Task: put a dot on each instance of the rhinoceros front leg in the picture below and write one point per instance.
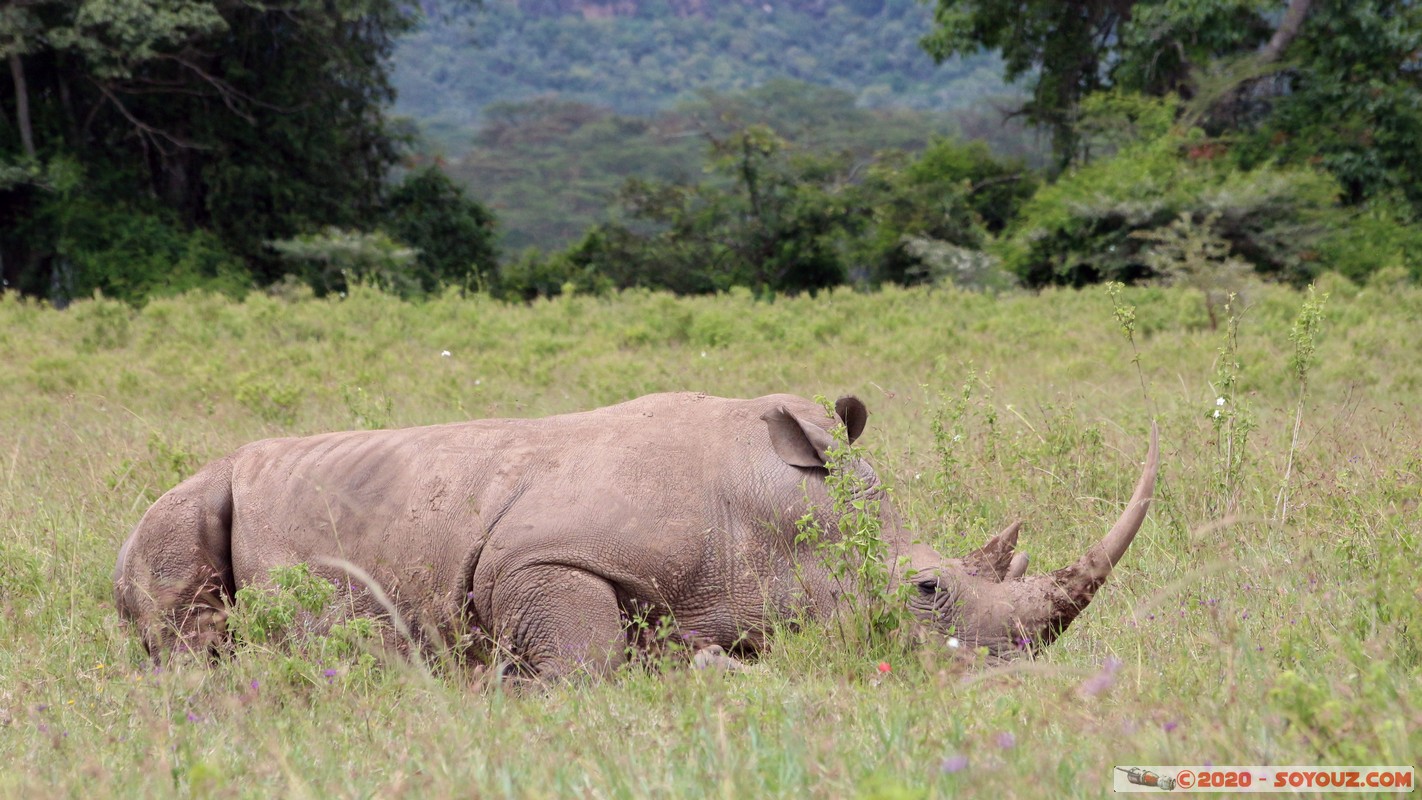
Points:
(560, 621)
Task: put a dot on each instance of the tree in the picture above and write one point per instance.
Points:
(770, 217)
(1330, 85)
(1068, 50)
(1349, 100)
(252, 121)
(454, 235)
(775, 217)
(952, 194)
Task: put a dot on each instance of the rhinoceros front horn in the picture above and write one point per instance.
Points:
(1046, 604)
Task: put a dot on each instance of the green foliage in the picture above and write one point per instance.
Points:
(1303, 335)
(1378, 235)
(1095, 221)
(553, 166)
(1353, 101)
(776, 217)
(1061, 54)
(335, 260)
(641, 57)
(198, 130)
(270, 612)
(932, 213)
(876, 600)
(119, 37)
(454, 235)
(136, 253)
(1195, 255)
(773, 220)
(1328, 85)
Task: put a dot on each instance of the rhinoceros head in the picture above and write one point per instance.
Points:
(984, 600)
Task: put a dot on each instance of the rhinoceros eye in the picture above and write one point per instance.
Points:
(928, 587)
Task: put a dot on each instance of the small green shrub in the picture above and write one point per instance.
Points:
(335, 260)
(367, 410)
(876, 612)
(270, 612)
(105, 323)
(132, 253)
(268, 398)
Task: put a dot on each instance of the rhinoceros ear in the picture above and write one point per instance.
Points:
(854, 414)
(797, 442)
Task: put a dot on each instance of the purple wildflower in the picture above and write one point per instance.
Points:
(1102, 680)
(193, 717)
(1006, 740)
(1170, 726)
(953, 764)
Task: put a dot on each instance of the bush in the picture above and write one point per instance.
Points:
(1382, 234)
(931, 215)
(453, 234)
(336, 259)
(1089, 225)
(131, 253)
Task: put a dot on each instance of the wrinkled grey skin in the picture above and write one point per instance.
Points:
(546, 533)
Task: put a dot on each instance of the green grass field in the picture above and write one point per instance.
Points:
(1249, 627)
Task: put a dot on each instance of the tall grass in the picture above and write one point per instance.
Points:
(1243, 637)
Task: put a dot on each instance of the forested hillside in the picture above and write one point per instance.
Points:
(551, 168)
(543, 109)
(148, 148)
(640, 56)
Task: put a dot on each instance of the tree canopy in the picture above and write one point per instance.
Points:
(1299, 80)
(201, 127)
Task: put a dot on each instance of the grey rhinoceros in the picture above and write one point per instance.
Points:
(546, 533)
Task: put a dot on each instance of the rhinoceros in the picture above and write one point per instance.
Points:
(546, 533)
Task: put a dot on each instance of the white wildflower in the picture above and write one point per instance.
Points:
(1217, 413)
(1219, 401)
(953, 642)
(444, 354)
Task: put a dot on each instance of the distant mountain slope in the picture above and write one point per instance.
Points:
(551, 168)
(640, 56)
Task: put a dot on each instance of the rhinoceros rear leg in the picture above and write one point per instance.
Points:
(560, 621)
(173, 580)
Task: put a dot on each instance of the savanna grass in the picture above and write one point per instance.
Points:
(1229, 633)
